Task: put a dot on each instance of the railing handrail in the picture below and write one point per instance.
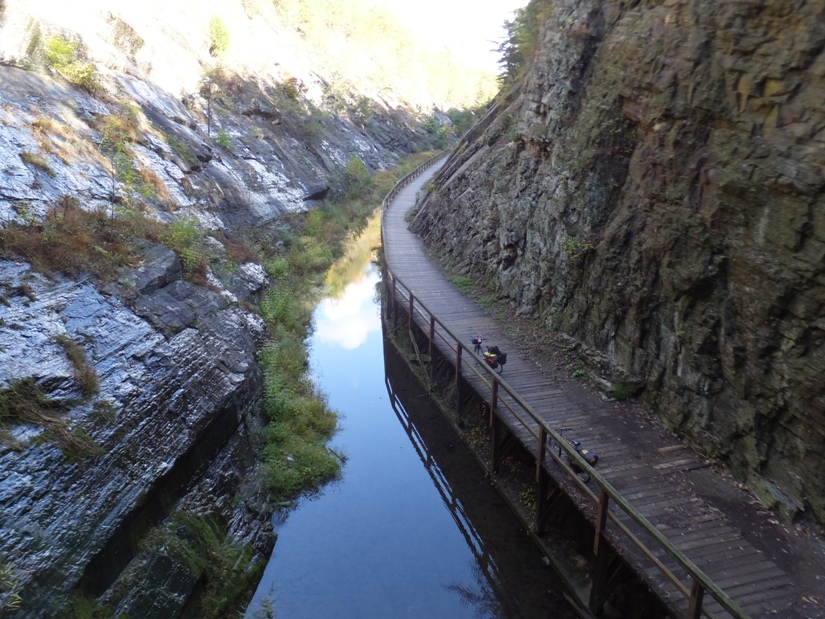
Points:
(684, 562)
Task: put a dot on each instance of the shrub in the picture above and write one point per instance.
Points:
(223, 140)
(61, 55)
(85, 373)
(69, 241)
(218, 37)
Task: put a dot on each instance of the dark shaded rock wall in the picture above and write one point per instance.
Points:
(654, 191)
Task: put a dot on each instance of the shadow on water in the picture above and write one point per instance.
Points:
(511, 580)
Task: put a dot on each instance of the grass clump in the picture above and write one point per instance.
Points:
(185, 238)
(10, 598)
(24, 403)
(85, 607)
(84, 373)
(38, 161)
(621, 392)
(71, 241)
(464, 284)
(224, 140)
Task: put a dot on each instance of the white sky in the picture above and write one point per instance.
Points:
(471, 27)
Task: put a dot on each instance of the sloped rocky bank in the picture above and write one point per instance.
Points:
(653, 193)
(172, 425)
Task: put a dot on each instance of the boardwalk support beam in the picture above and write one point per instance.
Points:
(542, 483)
(598, 592)
(697, 594)
(431, 350)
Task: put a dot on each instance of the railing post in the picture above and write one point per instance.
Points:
(495, 427)
(697, 595)
(431, 349)
(496, 438)
(493, 400)
(458, 381)
(412, 306)
(394, 304)
(597, 593)
(542, 482)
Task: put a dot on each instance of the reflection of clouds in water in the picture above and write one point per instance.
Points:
(347, 320)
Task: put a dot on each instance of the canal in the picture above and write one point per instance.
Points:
(412, 528)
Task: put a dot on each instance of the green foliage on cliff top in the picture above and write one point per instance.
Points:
(520, 42)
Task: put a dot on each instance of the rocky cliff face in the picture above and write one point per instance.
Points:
(654, 191)
(174, 423)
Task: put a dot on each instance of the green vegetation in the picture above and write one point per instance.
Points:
(85, 373)
(218, 37)
(62, 56)
(576, 248)
(520, 42)
(84, 607)
(300, 422)
(10, 599)
(225, 570)
(621, 392)
(119, 131)
(464, 284)
(223, 140)
(72, 241)
(181, 150)
(185, 238)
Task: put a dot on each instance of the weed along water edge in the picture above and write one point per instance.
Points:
(411, 528)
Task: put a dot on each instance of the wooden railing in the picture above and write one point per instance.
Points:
(609, 503)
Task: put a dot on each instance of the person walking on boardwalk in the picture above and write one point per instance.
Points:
(477, 343)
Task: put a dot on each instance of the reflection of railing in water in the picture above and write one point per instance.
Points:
(486, 563)
(511, 416)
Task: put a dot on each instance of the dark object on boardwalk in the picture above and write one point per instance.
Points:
(495, 358)
(477, 343)
(591, 457)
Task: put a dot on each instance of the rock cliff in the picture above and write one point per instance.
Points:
(653, 191)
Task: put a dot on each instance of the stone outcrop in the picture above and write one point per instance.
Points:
(171, 397)
(654, 191)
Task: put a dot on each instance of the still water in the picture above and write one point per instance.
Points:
(412, 528)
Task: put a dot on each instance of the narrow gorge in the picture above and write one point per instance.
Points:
(144, 151)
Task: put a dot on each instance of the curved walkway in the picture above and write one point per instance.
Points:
(768, 568)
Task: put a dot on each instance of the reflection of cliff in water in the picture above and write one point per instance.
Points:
(511, 581)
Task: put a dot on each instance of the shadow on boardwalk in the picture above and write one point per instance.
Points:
(768, 567)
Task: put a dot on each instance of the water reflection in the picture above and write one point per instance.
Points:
(346, 320)
(393, 538)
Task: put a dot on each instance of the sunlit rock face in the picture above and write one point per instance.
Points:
(654, 191)
(175, 423)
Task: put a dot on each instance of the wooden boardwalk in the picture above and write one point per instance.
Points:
(753, 560)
